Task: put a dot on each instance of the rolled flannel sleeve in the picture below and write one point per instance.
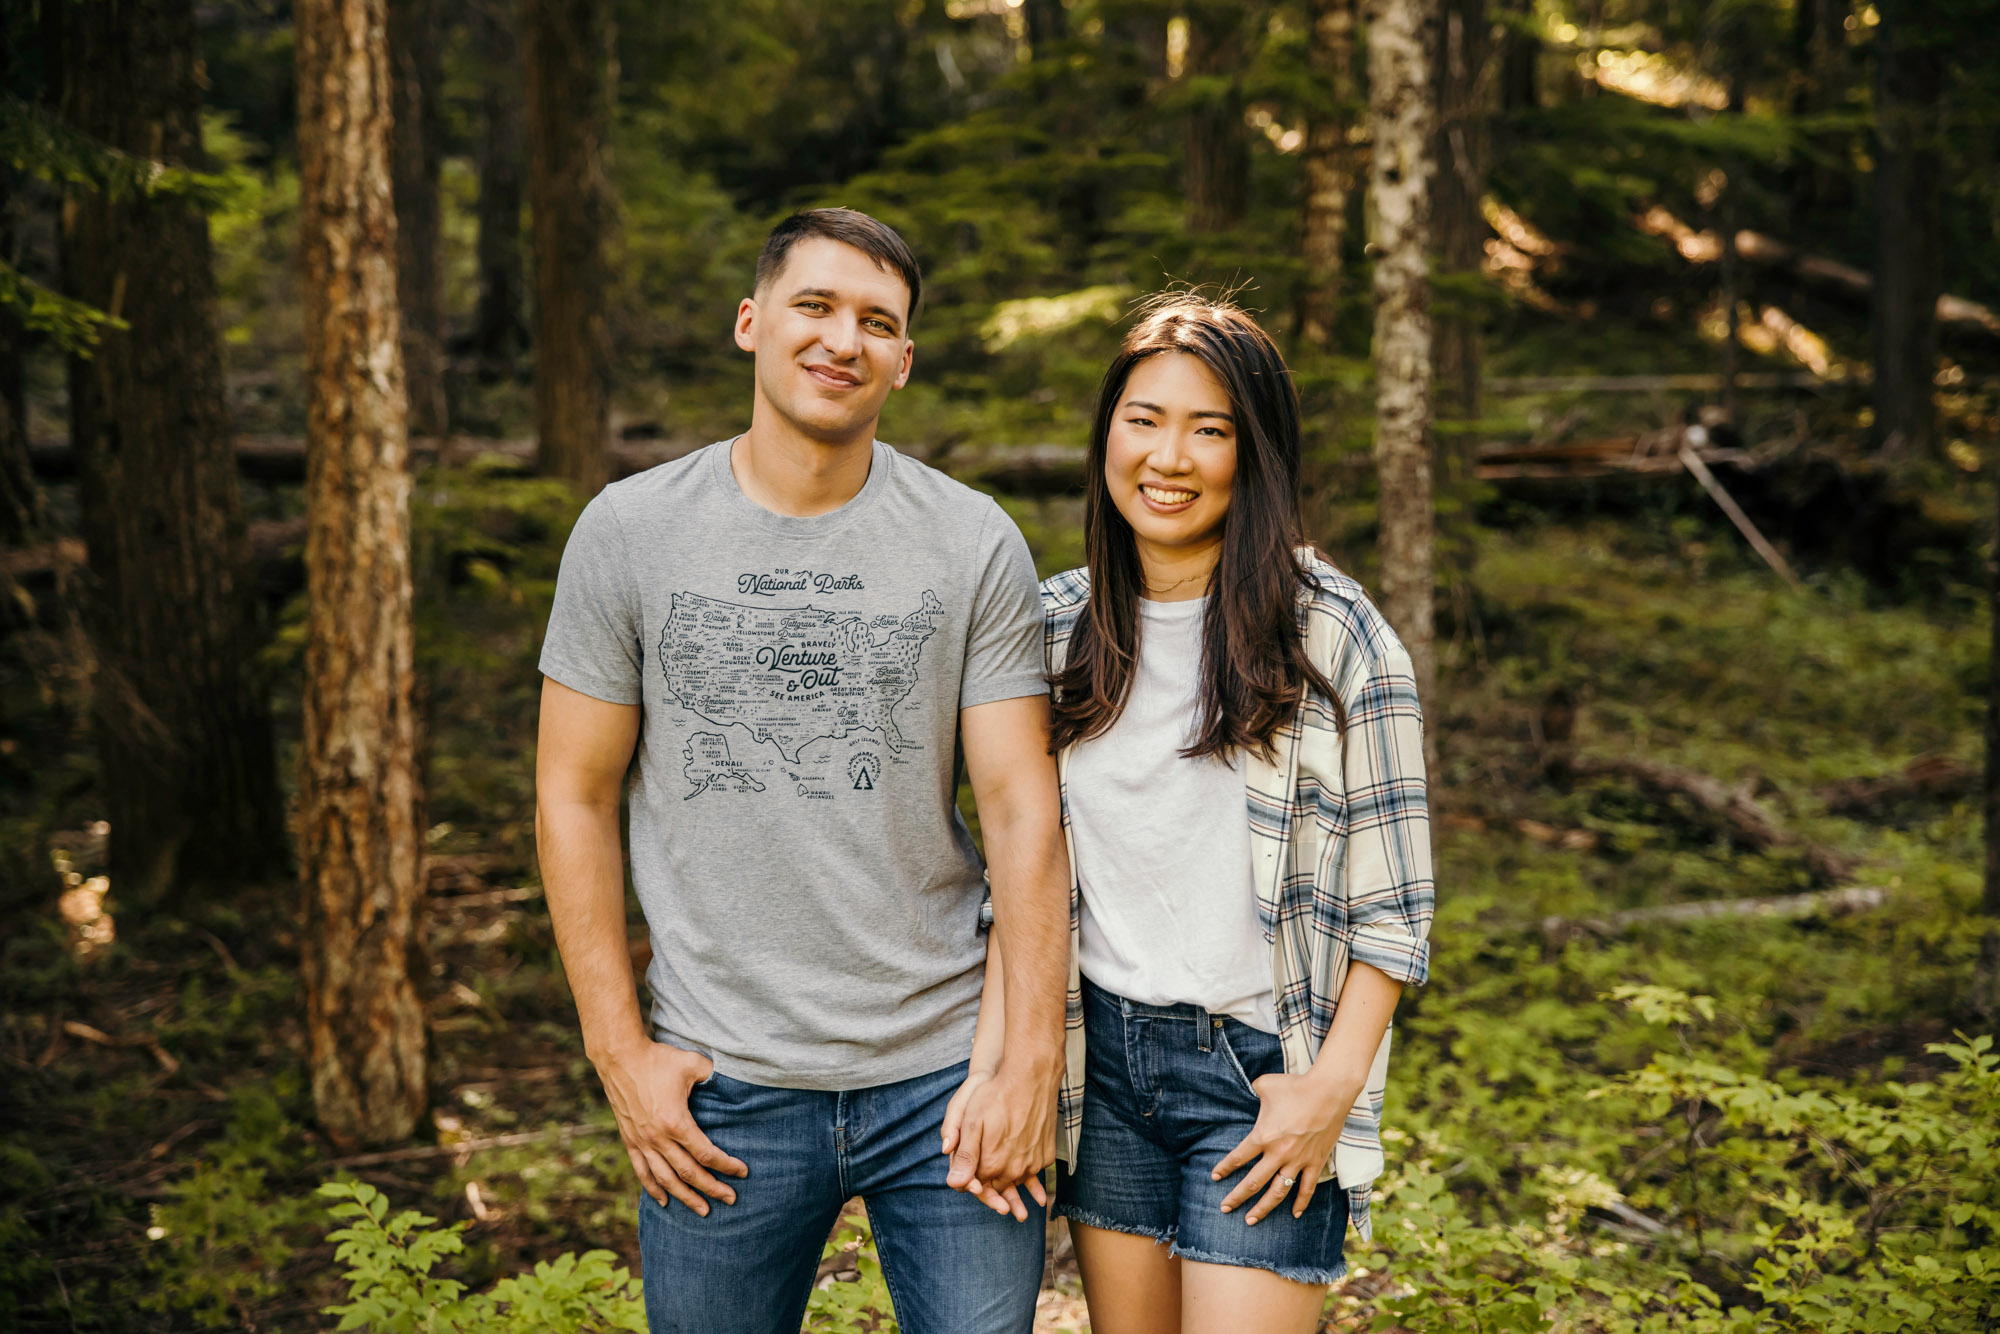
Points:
(1390, 891)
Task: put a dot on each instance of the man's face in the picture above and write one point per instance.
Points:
(830, 334)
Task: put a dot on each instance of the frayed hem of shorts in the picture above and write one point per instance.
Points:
(1109, 1225)
(1297, 1274)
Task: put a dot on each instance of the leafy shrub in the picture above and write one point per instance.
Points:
(394, 1286)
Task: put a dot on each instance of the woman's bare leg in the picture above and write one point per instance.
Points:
(1132, 1283)
(1228, 1299)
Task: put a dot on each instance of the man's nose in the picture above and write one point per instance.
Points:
(841, 336)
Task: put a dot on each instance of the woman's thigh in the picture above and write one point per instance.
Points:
(1227, 1299)
(1132, 1283)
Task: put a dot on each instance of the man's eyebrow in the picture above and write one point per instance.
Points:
(826, 295)
(1198, 413)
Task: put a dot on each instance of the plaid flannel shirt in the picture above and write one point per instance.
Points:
(1340, 850)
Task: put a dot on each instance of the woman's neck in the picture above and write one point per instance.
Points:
(1177, 574)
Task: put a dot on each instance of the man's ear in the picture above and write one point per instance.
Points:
(909, 355)
(746, 328)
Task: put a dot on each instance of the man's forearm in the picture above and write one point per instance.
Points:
(1030, 873)
(583, 877)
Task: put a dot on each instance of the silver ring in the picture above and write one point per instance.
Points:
(1288, 1182)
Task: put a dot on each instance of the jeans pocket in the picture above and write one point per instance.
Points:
(1253, 1061)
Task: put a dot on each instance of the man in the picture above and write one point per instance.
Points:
(799, 631)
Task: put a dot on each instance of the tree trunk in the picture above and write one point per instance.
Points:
(1218, 150)
(20, 498)
(1992, 897)
(1401, 128)
(1138, 30)
(1329, 168)
(1458, 226)
(500, 330)
(569, 124)
(1909, 224)
(187, 770)
(1047, 22)
(1520, 57)
(359, 816)
(416, 141)
(1819, 42)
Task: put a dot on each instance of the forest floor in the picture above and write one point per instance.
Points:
(159, 1161)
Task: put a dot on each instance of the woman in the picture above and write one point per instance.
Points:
(1241, 748)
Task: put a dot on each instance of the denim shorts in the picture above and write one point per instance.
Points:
(1166, 1096)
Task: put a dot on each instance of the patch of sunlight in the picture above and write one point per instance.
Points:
(1264, 118)
(1514, 229)
(1695, 247)
(1806, 347)
(1177, 46)
(1653, 78)
(82, 909)
(1037, 316)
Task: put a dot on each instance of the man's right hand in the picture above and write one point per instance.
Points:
(647, 1084)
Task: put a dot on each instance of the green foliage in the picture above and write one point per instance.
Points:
(392, 1287)
(396, 1284)
(1849, 1214)
(860, 1305)
(71, 325)
(224, 1234)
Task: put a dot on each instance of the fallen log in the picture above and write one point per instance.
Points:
(1734, 808)
(1820, 903)
(274, 543)
(282, 458)
(469, 1146)
(1926, 778)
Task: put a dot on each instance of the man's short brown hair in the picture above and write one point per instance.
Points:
(871, 237)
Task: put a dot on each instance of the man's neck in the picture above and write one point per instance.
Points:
(790, 473)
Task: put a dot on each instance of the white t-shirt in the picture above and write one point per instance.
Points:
(1163, 844)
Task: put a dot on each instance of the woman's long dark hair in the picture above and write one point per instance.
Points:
(1254, 667)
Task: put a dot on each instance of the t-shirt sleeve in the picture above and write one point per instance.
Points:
(592, 643)
(1003, 648)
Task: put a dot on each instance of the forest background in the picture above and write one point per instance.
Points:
(1695, 355)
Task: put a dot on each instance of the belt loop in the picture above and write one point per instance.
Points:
(1204, 1029)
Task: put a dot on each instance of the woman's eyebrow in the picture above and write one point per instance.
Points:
(1197, 414)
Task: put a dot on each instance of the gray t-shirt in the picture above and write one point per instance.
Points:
(812, 893)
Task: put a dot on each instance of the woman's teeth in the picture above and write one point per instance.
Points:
(1162, 496)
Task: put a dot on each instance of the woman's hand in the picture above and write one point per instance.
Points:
(1007, 1201)
(1298, 1124)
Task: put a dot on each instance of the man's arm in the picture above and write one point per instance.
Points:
(584, 748)
(1007, 1130)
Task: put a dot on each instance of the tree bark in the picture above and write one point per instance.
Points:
(1329, 168)
(1909, 226)
(1992, 896)
(500, 330)
(569, 124)
(416, 140)
(1458, 227)
(1401, 129)
(360, 816)
(1218, 149)
(1819, 41)
(187, 770)
(1047, 22)
(21, 516)
(1138, 30)
(1520, 57)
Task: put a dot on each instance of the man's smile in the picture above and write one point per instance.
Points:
(833, 377)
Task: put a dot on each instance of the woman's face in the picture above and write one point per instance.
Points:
(1170, 456)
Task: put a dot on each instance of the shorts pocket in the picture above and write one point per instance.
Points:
(1251, 1053)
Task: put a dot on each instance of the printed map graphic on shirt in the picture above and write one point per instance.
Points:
(789, 676)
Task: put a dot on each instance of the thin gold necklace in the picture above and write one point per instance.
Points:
(1175, 584)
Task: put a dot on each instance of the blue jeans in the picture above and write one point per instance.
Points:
(953, 1266)
(1167, 1094)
